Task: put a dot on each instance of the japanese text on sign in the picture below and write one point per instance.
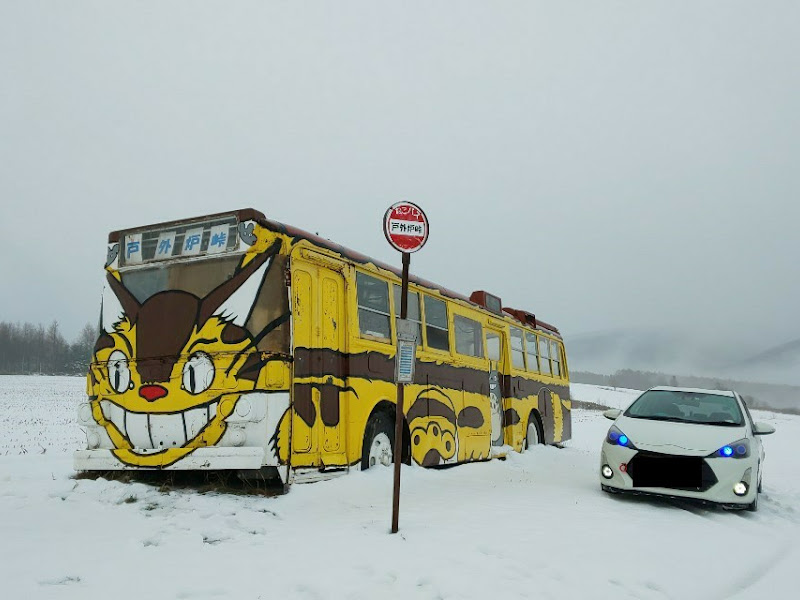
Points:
(398, 227)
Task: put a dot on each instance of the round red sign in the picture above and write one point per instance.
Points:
(405, 226)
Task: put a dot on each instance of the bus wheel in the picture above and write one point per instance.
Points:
(532, 437)
(378, 443)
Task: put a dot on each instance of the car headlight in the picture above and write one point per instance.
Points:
(737, 449)
(616, 437)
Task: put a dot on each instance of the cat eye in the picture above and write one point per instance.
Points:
(198, 373)
(119, 374)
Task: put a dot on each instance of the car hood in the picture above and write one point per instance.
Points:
(678, 438)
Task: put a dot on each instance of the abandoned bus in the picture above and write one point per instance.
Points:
(234, 342)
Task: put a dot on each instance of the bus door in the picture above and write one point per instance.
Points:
(319, 339)
(495, 342)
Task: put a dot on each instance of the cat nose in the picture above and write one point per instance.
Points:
(152, 392)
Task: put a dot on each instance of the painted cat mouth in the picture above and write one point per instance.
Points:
(158, 431)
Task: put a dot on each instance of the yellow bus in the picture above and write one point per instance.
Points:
(231, 341)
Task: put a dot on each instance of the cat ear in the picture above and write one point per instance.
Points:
(233, 301)
(117, 304)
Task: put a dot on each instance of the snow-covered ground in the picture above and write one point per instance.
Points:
(603, 395)
(533, 526)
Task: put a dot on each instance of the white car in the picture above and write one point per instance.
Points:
(686, 443)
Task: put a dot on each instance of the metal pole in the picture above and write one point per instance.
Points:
(398, 419)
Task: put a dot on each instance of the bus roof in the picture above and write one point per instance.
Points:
(251, 214)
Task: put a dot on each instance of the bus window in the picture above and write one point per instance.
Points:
(436, 329)
(533, 357)
(544, 355)
(493, 346)
(373, 307)
(413, 308)
(556, 358)
(469, 336)
(517, 348)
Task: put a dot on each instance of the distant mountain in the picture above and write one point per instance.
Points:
(608, 351)
(780, 364)
(784, 355)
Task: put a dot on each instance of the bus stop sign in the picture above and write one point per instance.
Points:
(405, 227)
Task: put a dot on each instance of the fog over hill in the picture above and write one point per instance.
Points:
(674, 352)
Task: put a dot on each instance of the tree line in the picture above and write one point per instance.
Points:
(36, 349)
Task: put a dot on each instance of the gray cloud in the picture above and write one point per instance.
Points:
(603, 164)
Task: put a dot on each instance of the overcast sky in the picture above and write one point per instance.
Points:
(602, 164)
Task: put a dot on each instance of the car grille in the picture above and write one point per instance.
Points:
(689, 473)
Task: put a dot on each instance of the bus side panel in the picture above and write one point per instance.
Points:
(302, 400)
(475, 427)
(321, 395)
(333, 401)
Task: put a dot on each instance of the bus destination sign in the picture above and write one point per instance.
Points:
(405, 227)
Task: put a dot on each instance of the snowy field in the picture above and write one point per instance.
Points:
(533, 526)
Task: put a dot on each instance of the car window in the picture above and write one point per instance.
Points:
(747, 412)
(688, 407)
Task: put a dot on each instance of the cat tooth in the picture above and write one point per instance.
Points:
(137, 427)
(194, 420)
(166, 431)
(115, 414)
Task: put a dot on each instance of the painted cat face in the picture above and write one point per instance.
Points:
(169, 371)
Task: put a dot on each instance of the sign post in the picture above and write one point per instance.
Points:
(406, 229)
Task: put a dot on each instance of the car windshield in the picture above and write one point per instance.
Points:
(687, 407)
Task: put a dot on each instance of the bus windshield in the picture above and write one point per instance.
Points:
(152, 284)
(198, 277)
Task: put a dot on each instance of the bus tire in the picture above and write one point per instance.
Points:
(378, 442)
(533, 436)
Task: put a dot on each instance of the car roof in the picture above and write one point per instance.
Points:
(666, 388)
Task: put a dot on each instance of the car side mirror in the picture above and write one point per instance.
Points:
(613, 413)
(762, 429)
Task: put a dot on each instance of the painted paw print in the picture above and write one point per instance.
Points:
(433, 444)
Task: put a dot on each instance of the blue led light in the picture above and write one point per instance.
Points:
(623, 440)
(727, 451)
(613, 436)
(741, 449)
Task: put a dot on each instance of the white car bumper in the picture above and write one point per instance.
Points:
(727, 472)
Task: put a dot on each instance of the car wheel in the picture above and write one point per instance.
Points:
(378, 443)
(532, 436)
(753, 506)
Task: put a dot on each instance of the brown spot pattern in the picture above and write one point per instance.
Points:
(304, 405)
(251, 368)
(103, 342)
(233, 334)
(511, 416)
(329, 405)
(163, 327)
(322, 362)
(432, 458)
(471, 416)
